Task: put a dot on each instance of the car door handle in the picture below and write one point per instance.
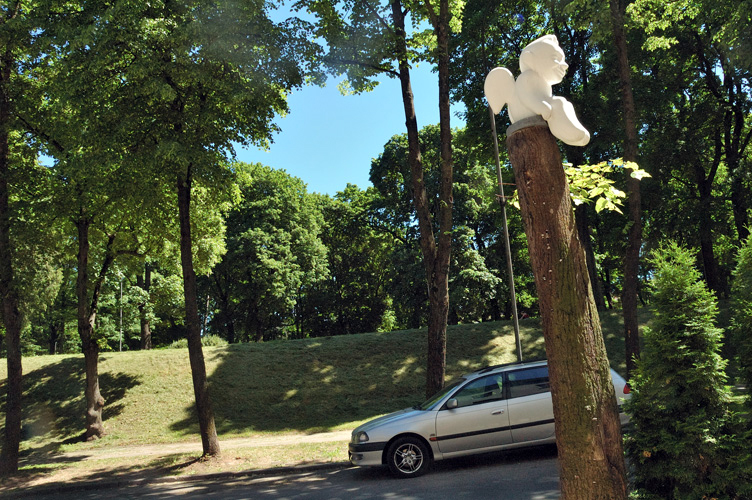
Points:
(497, 412)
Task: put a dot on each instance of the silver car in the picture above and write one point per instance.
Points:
(499, 407)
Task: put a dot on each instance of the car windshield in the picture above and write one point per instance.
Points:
(431, 402)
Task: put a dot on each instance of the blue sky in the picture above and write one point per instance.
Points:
(328, 140)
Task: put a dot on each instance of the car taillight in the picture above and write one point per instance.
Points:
(627, 389)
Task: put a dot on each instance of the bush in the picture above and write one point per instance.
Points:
(206, 341)
(680, 400)
(741, 334)
(741, 312)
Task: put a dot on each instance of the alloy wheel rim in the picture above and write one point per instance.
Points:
(408, 458)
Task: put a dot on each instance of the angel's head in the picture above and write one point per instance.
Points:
(545, 57)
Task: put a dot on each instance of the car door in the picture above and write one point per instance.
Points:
(531, 412)
(480, 419)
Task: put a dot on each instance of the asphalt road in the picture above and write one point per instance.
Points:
(517, 475)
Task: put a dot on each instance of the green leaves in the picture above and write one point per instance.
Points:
(588, 183)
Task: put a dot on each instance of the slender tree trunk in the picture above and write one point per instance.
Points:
(207, 427)
(435, 257)
(440, 310)
(632, 256)
(576, 156)
(583, 231)
(57, 322)
(740, 205)
(588, 431)
(705, 222)
(144, 282)
(86, 321)
(11, 313)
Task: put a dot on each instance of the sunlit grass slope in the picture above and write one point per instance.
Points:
(304, 386)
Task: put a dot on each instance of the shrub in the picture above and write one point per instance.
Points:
(741, 334)
(206, 341)
(680, 402)
(741, 312)
(213, 341)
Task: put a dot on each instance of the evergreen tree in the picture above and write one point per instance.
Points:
(741, 321)
(680, 401)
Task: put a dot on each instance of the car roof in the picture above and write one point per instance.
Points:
(506, 367)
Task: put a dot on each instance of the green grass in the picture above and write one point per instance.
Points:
(299, 386)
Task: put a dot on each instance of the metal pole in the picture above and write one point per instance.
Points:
(503, 203)
(121, 315)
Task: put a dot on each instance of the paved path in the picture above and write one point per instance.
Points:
(193, 447)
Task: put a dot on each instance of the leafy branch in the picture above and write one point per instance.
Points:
(591, 183)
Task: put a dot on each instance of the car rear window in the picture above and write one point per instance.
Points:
(528, 382)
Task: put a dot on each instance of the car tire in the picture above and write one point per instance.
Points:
(408, 457)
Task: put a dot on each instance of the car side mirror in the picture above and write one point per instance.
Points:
(452, 404)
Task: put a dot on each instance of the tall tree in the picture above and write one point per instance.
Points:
(14, 37)
(634, 239)
(355, 298)
(274, 256)
(11, 314)
(588, 432)
(347, 26)
(192, 80)
(680, 405)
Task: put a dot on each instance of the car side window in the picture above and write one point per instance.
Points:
(528, 382)
(480, 391)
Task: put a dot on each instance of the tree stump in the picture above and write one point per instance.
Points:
(588, 431)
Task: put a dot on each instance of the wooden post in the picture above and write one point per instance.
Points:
(588, 431)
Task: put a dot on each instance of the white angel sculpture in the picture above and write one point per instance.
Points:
(542, 65)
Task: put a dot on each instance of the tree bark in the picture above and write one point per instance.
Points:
(705, 227)
(11, 313)
(144, 282)
(632, 256)
(86, 319)
(588, 431)
(435, 256)
(8, 291)
(207, 427)
(583, 231)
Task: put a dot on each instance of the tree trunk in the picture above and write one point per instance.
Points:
(144, 282)
(704, 183)
(437, 322)
(86, 319)
(11, 313)
(436, 259)
(583, 231)
(740, 204)
(632, 256)
(588, 431)
(207, 427)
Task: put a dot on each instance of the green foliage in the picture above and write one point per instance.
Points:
(741, 312)
(680, 446)
(478, 278)
(590, 183)
(354, 297)
(274, 257)
(206, 341)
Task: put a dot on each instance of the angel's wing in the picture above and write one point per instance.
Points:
(499, 88)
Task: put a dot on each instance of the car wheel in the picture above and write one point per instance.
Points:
(408, 457)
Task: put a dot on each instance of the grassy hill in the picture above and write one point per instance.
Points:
(281, 387)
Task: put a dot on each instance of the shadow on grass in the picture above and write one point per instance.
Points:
(54, 405)
(316, 385)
